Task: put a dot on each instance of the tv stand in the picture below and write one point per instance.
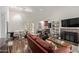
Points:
(71, 35)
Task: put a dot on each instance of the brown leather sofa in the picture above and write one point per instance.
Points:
(38, 45)
(35, 47)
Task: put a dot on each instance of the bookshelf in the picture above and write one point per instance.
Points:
(55, 29)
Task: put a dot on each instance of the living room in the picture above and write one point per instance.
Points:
(30, 24)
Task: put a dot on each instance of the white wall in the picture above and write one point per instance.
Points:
(15, 24)
(3, 15)
(0, 22)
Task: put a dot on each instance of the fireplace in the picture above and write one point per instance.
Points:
(70, 36)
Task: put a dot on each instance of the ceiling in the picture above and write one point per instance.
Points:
(51, 12)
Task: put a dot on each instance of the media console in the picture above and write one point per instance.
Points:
(71, 35)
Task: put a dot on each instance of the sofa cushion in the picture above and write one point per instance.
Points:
(54, 46)
(44, 44)
(62, 50)
(34, 37)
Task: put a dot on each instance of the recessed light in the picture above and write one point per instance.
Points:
(28, 10)
(41, 9)
(16, 8)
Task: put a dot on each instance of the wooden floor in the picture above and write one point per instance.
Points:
(20, 46)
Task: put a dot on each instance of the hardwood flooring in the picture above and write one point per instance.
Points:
(20, 46)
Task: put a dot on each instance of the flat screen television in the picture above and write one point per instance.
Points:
(73, 22)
